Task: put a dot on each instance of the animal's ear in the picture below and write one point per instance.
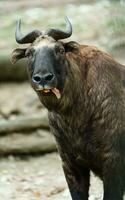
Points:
(71, 46)
(18, 54)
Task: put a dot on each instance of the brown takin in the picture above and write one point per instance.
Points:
(83, 89)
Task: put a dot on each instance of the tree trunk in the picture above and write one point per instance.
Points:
(24, 124)
(19, 143)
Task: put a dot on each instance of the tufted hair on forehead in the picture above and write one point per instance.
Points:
(43, 37)
(43, 40)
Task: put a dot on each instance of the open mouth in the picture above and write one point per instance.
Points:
(55, 91)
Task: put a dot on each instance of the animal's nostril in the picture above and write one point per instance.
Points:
(48, 77)
(37, 78)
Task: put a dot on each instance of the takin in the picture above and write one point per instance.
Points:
(83, 89)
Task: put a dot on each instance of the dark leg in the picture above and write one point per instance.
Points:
(78, 182)
(114, 181)
(113, 190)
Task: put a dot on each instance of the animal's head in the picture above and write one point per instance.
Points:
(47, 59)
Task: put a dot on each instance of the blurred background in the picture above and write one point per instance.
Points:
(29, 166)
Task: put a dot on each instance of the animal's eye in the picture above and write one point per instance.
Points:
(61, 50)
(29, 53)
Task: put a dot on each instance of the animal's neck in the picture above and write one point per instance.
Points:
(74, 102)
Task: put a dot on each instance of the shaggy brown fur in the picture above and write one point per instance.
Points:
(90, 129)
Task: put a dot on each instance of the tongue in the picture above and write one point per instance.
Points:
(56, 92)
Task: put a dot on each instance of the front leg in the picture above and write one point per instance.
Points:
(78, 181)
(114, 179)
(113, 187)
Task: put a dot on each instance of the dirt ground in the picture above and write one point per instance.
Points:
(37, 178)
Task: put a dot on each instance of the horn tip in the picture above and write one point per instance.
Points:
(17, 31)
(18, 21)
(68, 23)
(67, 19)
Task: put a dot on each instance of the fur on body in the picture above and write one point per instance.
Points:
(90, 131)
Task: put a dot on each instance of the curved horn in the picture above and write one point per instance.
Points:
(28, 38)
(60, 34)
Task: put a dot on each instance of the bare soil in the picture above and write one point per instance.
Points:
(38, 178)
